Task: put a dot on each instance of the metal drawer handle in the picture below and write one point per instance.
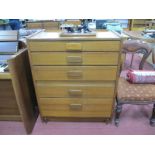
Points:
(74, 74)
(75, 106)
(74, 59)
(74, 47)
(75, 92)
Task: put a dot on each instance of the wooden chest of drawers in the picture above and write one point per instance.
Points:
(75, 77)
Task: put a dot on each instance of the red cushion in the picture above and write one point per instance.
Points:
(141, 76)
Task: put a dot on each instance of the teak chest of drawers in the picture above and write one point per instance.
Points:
(75, 77)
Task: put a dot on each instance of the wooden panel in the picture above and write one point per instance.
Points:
(9, 111)
(74, 22)
(51, 25)
(34, 25)
(138, 28)
(10, 118)
(69, 107)
(140, 21)
(75, 89)
(5, 75)
(85, 45)
(74, 58)
(7, 96)
(75, 73)
(8, 102)
(23, 88)
(102, 46)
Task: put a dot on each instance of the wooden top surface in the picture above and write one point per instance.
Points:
(41, 21)
(5, 75)
(56, 36)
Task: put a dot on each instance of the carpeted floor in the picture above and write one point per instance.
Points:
(134, 121)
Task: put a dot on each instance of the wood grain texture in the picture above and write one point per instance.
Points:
(55, 36)
(10, 118)
(48, 25)
(23, 88)
(90, 107)
(5, 75)
(75, 73)
(7, 95)
(75, 89)
(75, 77)
(74, 58)
(8, 104)
(34, 25)
(64, 46)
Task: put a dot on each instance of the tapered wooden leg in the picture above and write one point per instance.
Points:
(131, 60)
(152, 120)
(117, 113)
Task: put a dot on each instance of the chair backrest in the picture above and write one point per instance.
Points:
(137, 46)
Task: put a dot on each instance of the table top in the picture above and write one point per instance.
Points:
(56, 36)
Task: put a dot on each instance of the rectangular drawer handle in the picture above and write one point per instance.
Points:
(75, 106)
(76, 93)
(73, 47)
(74, 74)
(74, 59)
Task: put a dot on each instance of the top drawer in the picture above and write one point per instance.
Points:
(74, 46)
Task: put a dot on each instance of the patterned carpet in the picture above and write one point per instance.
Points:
(134, 120)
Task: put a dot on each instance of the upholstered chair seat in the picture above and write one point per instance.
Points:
(135, 92)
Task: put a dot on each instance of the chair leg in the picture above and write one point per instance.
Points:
(132, 60)
(152, 120)
(118, 111)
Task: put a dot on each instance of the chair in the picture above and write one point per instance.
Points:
(135, 94)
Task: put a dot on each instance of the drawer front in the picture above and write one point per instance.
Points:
(75, 73)
(69, 107)
(74, 46)
(51, 24)
(75, 89)
(9, 111)
(8, 104)
(74, 58)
